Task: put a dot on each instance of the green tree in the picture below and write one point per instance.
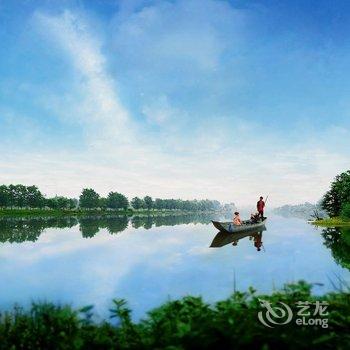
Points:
(17, 196)
(62, 202)
(22, 196)
(89, 198)
(51, 203)
(34, 199)
(345, 212)
(158, 204)
(103, 203)
(59, 202)
(338, 195)
(117, 200)
(4, 196)
(73, 203)
(148, 202)
(137, 203)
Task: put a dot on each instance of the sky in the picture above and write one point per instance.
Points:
(215, 99)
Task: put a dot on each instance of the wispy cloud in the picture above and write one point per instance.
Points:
(100, 107)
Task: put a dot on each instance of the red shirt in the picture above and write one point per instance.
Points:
(260, 205)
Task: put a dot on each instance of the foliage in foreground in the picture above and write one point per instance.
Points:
(189, 323)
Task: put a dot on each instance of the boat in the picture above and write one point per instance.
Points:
(246, 226)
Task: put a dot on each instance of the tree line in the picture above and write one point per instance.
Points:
(21, 196)
(90, 199)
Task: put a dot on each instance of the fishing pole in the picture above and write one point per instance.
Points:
(267, 197)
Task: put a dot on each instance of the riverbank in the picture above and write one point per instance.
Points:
(85, 212)
(186, 323)
(331, 222)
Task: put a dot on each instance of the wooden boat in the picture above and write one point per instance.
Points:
(247, 225)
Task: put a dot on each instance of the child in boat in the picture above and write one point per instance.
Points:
(236, 219)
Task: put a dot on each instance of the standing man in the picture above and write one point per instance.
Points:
(260, 206)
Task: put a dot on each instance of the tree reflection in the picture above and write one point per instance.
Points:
(117, 225)
(18, 230)
(338, 240)
(89, 226)
(147, 222)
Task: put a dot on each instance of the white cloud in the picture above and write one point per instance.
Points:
(182, 33)
(160, 111)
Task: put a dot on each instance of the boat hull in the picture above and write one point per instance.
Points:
(228, 227)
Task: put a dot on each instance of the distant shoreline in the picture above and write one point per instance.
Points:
(85, 212)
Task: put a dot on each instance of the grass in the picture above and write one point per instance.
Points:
(332, 222)
(188, 323)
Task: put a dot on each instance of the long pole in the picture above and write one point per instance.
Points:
(267, 197)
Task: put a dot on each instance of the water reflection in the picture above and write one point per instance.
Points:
(149, 266)
(338, 240)
(18, 230)
(223, 238)
(89, 226)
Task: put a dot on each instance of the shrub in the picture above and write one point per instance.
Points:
(189, 323)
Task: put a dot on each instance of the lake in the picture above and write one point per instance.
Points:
(148, 260)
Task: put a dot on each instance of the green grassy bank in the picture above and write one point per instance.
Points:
(189, 323)
(332, 222)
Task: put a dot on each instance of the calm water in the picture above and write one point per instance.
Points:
(149, 260)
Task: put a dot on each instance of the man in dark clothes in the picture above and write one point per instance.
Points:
(260, 206)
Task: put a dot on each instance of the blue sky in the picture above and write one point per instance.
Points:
(191, 99)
